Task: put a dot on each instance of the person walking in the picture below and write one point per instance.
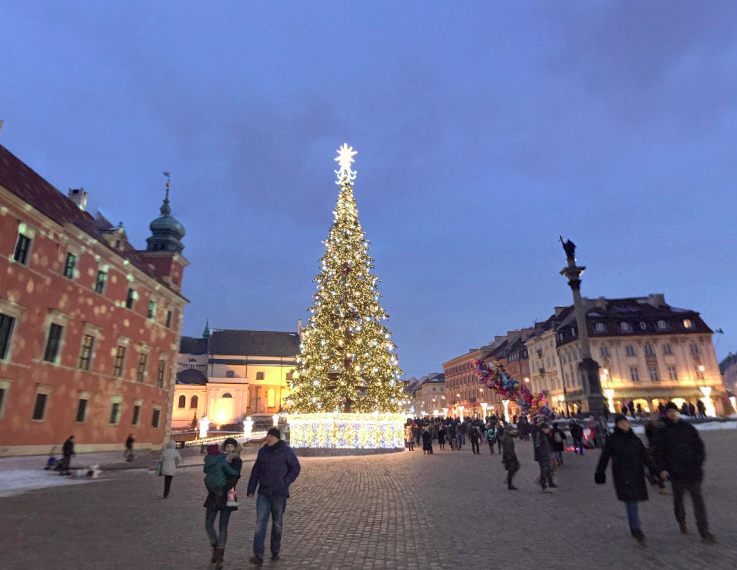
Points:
(441, 436)
(426, 441)
(67, 450)
(509, 456)
(475, 437)
(653, 429)
(559, 445)
(275, 469)
(702, 410)
(680, 453)
(629, 459)
(491, 437)
(542, 442)
(128, 453)
(408, 437)
(170, 460)
(223, 471)
(577, 436)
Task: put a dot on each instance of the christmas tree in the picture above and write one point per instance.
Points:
(346, 363)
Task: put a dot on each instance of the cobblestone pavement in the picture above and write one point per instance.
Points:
(403, 511)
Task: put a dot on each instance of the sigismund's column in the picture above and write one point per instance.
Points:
(593, 399)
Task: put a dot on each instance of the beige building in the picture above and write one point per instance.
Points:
(648, 352)
(231, 374)
(429, 395)
(466, 395)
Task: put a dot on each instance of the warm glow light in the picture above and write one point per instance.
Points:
(276, 420)
(345, 158)
(460, 411)
(527, 379)
(609, 393)
(506, 409)
(708, 404)
(347, 431)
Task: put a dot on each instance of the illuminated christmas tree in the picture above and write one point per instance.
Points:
(346, 362)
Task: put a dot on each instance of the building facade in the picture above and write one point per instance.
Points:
(466, 395)
(89, 326)
(228, 375)
(728, 368)
(648, 352)
(429, 395)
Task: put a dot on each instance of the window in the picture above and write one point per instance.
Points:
(271, 398)
(604, 351)
(433, 389)
(160, 374)
(136, 419)
(192, 363)
(53, 342)
(81, 410)
(70, 266)
(39, 408)
(687, 324)
(654, 374)
(130, 299)
(634, 375)
(662, 326)
(624, 326)
(156, 417)
(672, 374)
(100, 281)
(649, 349)
(194, 402)
(182, 401)
(141, 368)
(643, 326)
(227, 395)
(4, 389)
(229, 374)
(629, 350)
(151, 310)
(259, 375)
(22, 249)
(85, 356)
(600, 328)
(119, 360)
(115, 412)
(6, 330)
(667, 349)
(168, 319)
(694, 348)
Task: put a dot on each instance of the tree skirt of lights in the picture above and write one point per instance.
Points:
(346, 434)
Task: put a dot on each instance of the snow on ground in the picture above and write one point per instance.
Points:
(16, 481)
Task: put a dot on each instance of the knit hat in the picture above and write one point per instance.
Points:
(275, 432)
(213, 449)
(230, 441)
(671, 406)
(620, 418)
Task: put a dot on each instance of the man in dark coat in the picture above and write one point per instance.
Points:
(67, 451)
(509, 456)
(629, 458)
(275, 470)
(475, 437)
(542, 442)
(577, 436)
(681, 454)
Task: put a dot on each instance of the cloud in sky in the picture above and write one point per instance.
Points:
(484, 130)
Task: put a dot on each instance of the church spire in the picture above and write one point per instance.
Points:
(206, 332)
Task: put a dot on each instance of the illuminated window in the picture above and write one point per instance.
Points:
(271, 398)
(687, 324)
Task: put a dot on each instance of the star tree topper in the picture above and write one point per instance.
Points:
(344, 160)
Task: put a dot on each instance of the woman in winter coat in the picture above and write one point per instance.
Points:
(559, 444)
(629, 459)
(426, 441)
(170, 460)
(217, 501)
(408, 438)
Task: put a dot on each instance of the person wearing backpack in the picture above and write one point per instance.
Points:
(221, 475)
(558, 444)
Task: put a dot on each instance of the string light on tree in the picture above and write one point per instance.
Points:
(347, 362)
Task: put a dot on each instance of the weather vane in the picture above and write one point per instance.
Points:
(168, 183)
(344, 160)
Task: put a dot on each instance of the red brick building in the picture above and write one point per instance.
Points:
(89, 326)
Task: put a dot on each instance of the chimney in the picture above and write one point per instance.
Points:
(656, 300)
(79, 197)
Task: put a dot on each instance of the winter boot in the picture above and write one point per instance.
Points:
(219, 554)
(682, 526)
(213, 557)
(708, 538)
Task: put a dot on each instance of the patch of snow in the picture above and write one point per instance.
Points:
(17, 481)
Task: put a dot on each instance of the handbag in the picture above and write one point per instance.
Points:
(232, 499)
(159, 467)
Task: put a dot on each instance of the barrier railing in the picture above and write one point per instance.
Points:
(217, 439)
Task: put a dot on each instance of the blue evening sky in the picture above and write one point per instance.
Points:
(484, 130)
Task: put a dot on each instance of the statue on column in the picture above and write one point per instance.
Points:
(569, 247)
(204, 426)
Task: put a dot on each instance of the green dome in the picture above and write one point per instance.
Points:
(166, 229)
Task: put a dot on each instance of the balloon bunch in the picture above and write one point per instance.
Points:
(494, 376)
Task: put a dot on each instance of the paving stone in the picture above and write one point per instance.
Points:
(388, 512)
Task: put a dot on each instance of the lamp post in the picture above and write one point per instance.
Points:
(593, 400)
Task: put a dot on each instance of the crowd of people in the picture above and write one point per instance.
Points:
(674, 453)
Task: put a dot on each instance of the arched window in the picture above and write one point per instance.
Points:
(271, 398)
(182, 401)
(193, 402)
(227, 395)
